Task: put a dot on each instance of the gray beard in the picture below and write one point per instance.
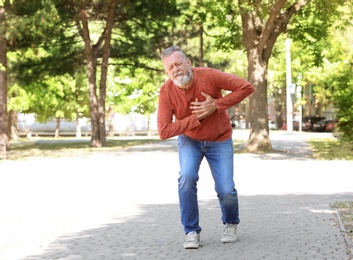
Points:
(183, 80)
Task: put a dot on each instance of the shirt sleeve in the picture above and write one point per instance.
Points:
(167, 127)
(239, 89)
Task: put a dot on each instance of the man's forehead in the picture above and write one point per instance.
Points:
(174, 57)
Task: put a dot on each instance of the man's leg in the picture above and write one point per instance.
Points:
(221, 160)
(190, 157)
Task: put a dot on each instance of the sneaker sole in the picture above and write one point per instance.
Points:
(191, 246)
(228, 241)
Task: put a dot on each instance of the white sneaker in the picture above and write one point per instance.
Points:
(192, 240)
(230, 233)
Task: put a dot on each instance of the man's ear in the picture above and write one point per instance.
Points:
(189, 62)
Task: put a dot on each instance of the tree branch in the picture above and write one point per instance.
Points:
(271, 23)
(100, 40)
(249, 31)
(106, 48)
(136, 66)
(77, 21)
(280, 25)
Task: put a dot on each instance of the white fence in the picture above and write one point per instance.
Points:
(134, 124)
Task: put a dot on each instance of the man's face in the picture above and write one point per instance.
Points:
(178, 69)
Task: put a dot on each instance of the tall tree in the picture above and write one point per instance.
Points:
(35, 82)
(120, 33)
(3, 74)
(97, 104)
(262, 22)
(333, 83)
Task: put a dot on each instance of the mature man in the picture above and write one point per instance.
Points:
(191, 106)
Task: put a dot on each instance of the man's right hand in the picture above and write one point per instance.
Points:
(205, 108)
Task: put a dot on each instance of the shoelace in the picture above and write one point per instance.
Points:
(227, 229)
(192, 236)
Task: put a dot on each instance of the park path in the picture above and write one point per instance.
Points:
(124, 205)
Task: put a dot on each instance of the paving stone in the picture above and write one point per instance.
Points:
(124, 205)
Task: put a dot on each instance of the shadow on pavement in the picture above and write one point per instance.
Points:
(284, 150)
(164, 146)
(272, 227)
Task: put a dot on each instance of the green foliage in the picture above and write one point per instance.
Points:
(31, 24)
(333, 80)
(19, 100)
(343, 100)
(48, 72)
(137, 94)
(5, 3)
(225, 18)
(140, 28)
(310, 26)
(43, 92)
(220, 23)
(145, 94)
(140, 31)
(52, 97)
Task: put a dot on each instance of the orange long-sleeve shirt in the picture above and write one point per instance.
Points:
(175, 102)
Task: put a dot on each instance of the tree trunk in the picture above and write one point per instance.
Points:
(91, 56)
(259, 38)
(57, 127)
(97, 106)
(104, 71)
(3, 79)
(78, 125)
(77, 116)
(12, 123)
(259, 139)
(201, 46)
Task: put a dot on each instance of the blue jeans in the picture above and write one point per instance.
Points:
(220, 158)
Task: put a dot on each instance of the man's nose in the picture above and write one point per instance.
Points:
(175, 70)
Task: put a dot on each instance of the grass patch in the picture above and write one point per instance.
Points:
(23, 149)
(331, 149)
(66, 147)
(238, 144)
(345, 209)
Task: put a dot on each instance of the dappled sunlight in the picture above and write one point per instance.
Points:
(325, 211)
(258, 142)
(54, 197)
(124, 204)
(295, 222)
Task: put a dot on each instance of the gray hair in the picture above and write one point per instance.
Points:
(167, 52)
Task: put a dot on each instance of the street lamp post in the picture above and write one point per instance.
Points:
(289, 86)
(299, 96)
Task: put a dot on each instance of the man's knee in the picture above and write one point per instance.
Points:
(188, 179)
(227, 194)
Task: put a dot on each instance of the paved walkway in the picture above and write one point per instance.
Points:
(123, 205)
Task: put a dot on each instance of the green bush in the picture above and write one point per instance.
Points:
(344, 103)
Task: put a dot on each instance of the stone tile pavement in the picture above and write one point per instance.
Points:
(124, 205)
